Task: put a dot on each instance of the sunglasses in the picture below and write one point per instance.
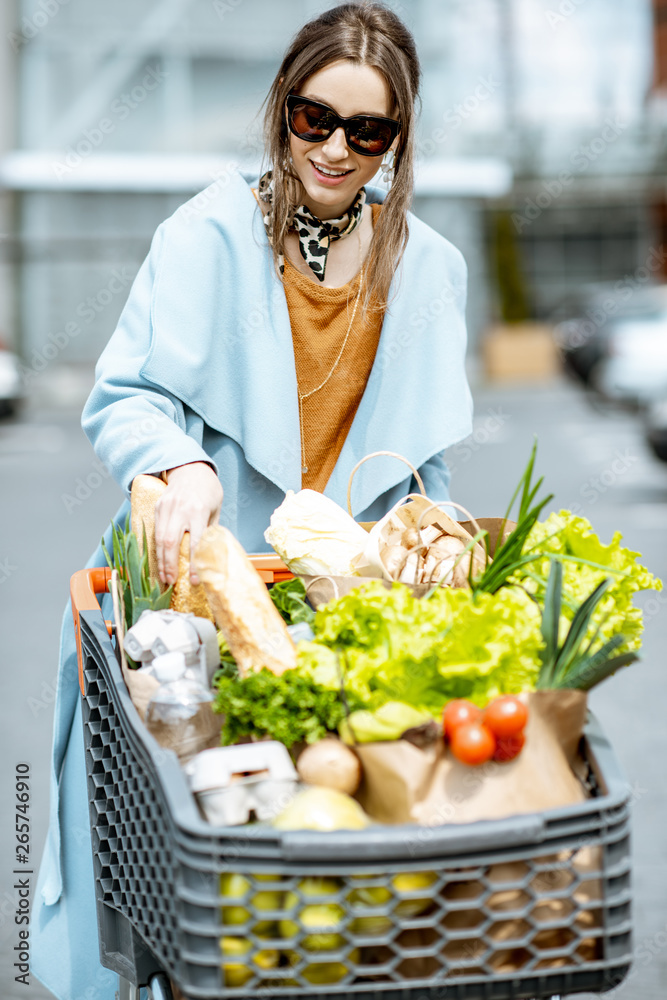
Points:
(368, 135)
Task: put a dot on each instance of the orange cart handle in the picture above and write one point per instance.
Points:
(86, 584)
(84, 587)
(270, 567)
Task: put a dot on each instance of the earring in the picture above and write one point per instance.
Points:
(287, 158)
(388, 166)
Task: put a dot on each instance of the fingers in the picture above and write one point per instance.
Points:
(192, 500)
(197, 527)
(215, 515)
(170, 527)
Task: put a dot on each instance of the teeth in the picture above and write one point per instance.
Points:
(331, 173)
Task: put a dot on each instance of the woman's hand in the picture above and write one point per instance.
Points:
(191, 501)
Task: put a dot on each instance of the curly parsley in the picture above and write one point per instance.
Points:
(289, 708)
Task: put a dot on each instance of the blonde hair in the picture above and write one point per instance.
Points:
(367, 34)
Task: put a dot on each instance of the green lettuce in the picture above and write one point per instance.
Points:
(388, 722)
(586, 562)
(289, 597)
(393, 647)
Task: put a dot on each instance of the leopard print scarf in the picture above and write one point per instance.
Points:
(315, 235)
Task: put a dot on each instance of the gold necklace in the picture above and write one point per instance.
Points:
(306, 395)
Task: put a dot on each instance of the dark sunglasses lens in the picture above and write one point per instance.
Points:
(370, 136)
(310, 122)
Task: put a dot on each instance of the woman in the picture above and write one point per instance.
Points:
(276, 333)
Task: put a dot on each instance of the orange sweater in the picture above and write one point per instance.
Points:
(319, 318)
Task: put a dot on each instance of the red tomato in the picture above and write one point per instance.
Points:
(509, 747)
(457, 713)
(473, 743)
(506, 716)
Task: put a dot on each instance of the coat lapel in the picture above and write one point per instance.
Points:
(417, 401)
(221, 333)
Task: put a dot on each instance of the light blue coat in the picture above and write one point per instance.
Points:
(201, 367)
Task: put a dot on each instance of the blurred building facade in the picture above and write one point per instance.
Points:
(119, 112)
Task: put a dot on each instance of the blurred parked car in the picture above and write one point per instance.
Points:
(11, 387)
(577, 320)
(656, 428)
(615, 341)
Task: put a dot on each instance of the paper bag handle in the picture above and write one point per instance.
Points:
(374, 454)
(448, 503)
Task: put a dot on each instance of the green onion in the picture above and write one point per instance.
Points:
(571, 664)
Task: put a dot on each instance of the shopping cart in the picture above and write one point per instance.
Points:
(526, 907)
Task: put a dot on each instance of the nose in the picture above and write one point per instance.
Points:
(335, 147)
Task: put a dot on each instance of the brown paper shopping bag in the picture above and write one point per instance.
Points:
(405, 784)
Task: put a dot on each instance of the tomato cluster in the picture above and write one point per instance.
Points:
(476, 736)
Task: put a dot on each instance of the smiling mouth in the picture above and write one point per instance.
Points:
(328, 171)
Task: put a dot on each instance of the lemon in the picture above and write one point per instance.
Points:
(327, 972)
(323, 972)
(323, 918)
(318, 886)
(376, 895)
(371, 925)
(235, 885)
(308, 888)
(413, 882)
(237, 974)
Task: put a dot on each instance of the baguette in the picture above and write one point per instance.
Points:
(255, 632)
(146, 491)
(185, 596)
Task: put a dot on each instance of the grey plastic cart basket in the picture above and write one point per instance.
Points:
(530, 906)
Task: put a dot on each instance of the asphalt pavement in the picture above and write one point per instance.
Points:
(56, 500)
